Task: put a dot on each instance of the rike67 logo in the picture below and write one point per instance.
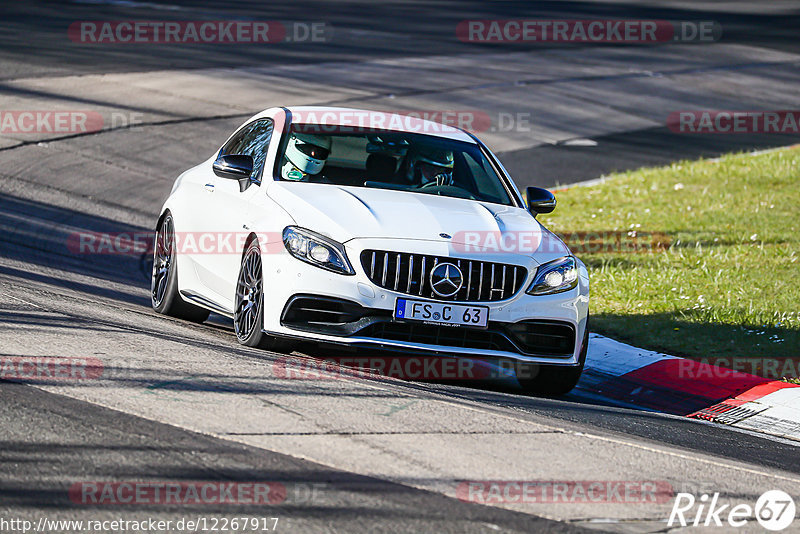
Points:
(774, 510)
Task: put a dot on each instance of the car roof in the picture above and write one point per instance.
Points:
(400, 121)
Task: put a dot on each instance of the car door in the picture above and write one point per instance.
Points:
(222, 214)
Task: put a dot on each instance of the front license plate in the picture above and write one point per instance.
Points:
(441, 313)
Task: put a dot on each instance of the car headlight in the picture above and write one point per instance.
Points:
(317, 250)
(555, 277)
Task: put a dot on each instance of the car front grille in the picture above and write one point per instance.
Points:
(407, 273)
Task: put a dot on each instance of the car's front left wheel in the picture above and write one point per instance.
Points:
(248, 314)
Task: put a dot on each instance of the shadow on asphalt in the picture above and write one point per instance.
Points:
(47, 237)
(360, 30)
(124, 448)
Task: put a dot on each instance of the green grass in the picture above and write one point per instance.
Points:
(728, 283)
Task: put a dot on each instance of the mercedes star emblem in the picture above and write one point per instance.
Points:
(446, 279)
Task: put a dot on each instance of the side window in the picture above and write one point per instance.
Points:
(252, 140)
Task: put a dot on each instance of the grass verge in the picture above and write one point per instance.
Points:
(699, 259)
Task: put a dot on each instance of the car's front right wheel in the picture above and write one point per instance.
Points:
(164, 280)
(248, 314)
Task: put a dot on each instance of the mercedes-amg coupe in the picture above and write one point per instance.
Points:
(372, 230)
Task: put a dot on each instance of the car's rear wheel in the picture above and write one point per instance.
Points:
(248, 314)
(552, 380)
(164, 280)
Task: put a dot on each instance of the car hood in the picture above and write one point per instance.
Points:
(344, 213)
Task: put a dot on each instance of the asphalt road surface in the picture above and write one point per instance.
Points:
(177, 402)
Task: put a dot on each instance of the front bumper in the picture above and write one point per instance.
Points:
(369, 323)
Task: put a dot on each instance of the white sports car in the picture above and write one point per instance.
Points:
(372, 229)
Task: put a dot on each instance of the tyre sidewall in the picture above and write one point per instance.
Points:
(171, 291)
(172, 304)
(256, 337)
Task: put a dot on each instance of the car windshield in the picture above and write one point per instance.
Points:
(390, 160)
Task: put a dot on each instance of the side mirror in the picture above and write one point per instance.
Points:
(235, 167)
(540, 200)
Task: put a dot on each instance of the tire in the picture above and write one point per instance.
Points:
(553, 380)
(164, 295)
(248, 311)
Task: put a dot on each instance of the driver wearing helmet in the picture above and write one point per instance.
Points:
(429, 165)
(305, 156)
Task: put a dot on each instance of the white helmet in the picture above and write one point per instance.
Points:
(308, 152)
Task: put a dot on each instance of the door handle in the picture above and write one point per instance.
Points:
(209, 188)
